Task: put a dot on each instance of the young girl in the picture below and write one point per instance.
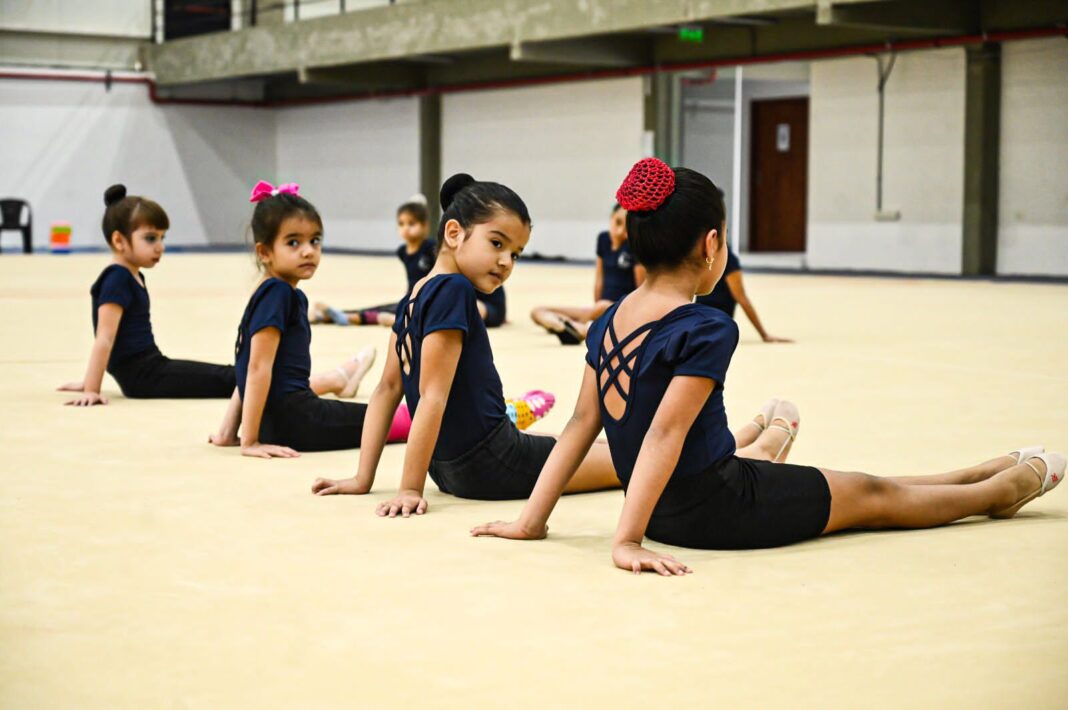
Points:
(134, 227)
(656, 364)
(730, 292)
(417, 254)
(275, 405)
(440, 361)
(617, 275)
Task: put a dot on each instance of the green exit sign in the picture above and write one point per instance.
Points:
(692, 34)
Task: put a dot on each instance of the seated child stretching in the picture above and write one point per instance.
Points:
(656, 366)
(440, 360)
(617, 274)
(730, 292)
(417, 254)
(275, 406)
(135, 227)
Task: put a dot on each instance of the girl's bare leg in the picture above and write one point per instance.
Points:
(595, 473)
(550, 317)
(765, 446)
(334, 381)
(745, 436)
(859, 500)
(972, 474)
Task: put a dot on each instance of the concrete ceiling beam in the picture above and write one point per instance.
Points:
(904, 16)
(443, 27)
(604, 52)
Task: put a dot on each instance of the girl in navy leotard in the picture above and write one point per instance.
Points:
(417, 254)
(440, 361)
(617, 274)
(656, 368)
(275, 409)
(730, 292)
(134, 228)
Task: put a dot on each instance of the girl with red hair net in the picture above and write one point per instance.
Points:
(656, 368)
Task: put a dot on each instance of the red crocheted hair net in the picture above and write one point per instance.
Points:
(647, 185)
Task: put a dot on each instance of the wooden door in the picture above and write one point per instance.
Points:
(778, 175)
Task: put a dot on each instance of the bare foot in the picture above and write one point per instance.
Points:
(318, 313)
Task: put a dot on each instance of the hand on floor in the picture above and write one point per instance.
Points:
(269, 451)
(509, 531)
(633, 557)
(72, 387)
(406, 503)
(88, 400)
(224, 439)
(344, 486)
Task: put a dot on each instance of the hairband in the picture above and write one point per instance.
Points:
(646, 186)
(264, 189)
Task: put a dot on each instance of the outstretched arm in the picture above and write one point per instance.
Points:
(734, 283)
(376, 423)
(659, 456)
(571, 448)
(439, 356)
(598, 280)
(107, 326)
(262, 351)
(227, 434)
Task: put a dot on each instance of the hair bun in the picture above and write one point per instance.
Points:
(452, 187)
(646, 186)
(114, 193)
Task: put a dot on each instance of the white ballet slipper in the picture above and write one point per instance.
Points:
(1055, 465)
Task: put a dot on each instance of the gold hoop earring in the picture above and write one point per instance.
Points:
(709, 262)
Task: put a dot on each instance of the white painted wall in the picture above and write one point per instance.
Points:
(65, 142)
(1033, 209)
(708, 125)
(116, 18)
(564, 148)
(356, 161)
(923, 168)
(707, 143)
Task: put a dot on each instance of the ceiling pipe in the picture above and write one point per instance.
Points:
(804, 55)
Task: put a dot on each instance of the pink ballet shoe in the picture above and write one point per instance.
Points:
(540, 402)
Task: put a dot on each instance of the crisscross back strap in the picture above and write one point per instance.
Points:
(614, 360)
(404, 337)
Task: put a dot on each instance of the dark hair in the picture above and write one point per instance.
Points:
(615, 208)
(125, 213)
(666, 236)
(471, 202)
(270, 212)
(417, 210)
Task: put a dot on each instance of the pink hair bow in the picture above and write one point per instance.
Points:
(264, 189)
